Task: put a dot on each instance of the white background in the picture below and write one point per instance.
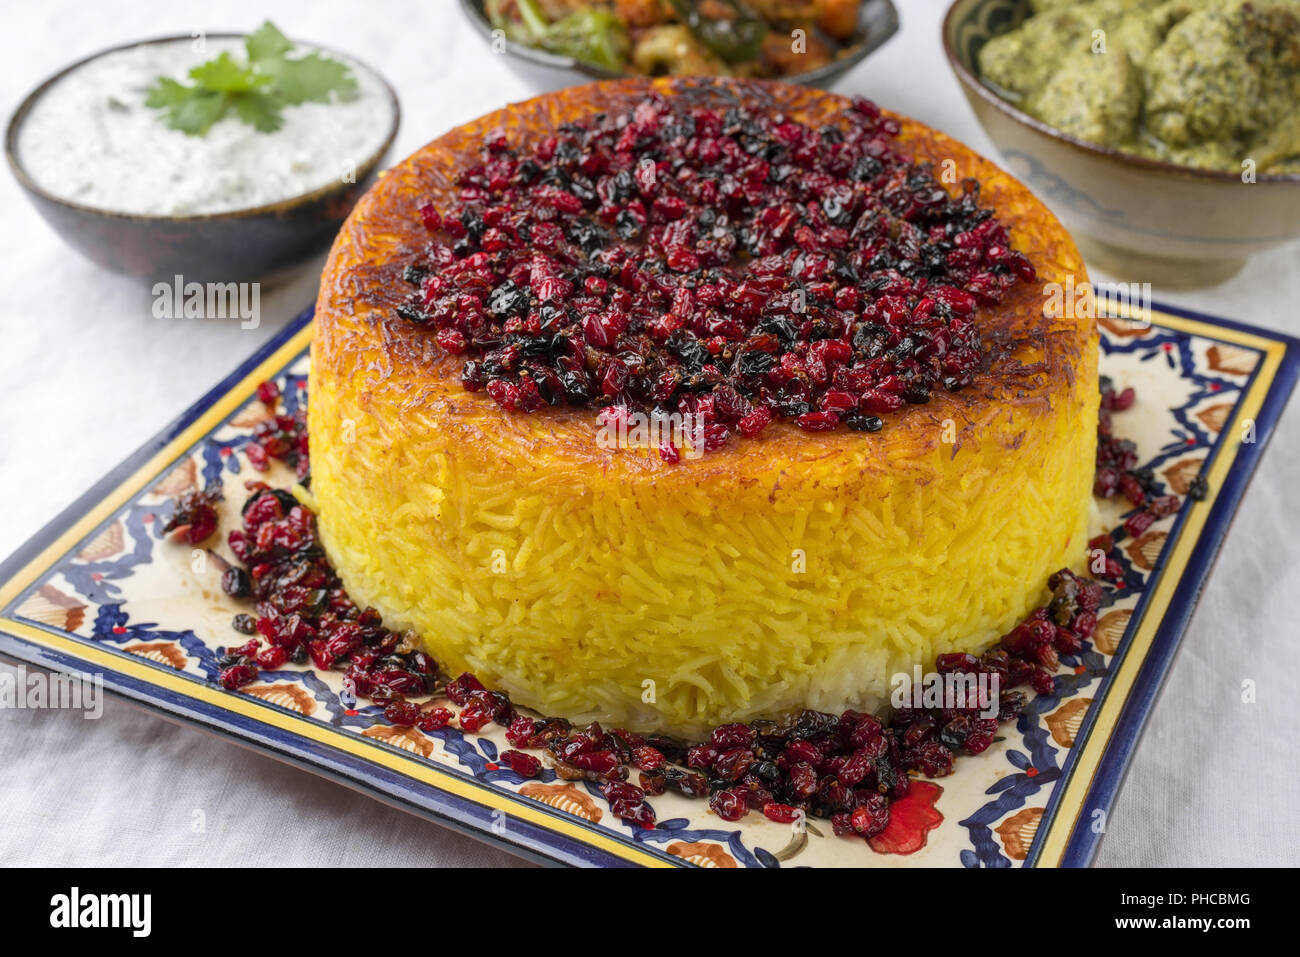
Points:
(87, 374)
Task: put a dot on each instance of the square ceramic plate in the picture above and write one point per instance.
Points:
(100, 592)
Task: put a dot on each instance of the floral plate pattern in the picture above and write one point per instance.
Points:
(100, 592)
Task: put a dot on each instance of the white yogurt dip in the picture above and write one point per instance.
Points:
(90, 139)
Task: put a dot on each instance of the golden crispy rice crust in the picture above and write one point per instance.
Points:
(785, 571)
(1032, 358)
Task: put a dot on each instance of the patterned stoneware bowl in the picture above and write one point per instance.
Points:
(245, 245)
(877, 22)
(1147, 220)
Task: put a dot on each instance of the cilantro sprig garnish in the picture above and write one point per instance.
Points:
(256, 91)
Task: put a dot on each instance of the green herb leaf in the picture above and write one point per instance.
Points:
(266, 43)
(260, 111)
(256, 91)
(312, 77)
(167, 93)
(197, 112)
(224, 75)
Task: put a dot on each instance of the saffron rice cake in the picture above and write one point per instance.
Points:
(792, 569)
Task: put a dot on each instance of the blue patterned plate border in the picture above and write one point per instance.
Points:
(1095, 769)
(1089, 776)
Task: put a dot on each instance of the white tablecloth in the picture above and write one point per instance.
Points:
(88, 374)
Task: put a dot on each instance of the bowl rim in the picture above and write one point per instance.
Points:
(973, 84)
(25, 179)
(474, 13)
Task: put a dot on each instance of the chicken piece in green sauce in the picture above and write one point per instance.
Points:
(1205, 83)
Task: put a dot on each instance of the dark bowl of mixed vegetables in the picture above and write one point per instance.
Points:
(558, 43)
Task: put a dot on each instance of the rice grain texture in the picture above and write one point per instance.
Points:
(787, 571)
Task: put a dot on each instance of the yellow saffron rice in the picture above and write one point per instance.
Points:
(787, 571)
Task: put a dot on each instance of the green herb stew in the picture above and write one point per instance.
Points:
(1213, 84)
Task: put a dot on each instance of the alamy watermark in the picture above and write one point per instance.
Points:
(23, 690)
(932, 690)
(623, 429)
(74, 910)
(179, 299)
(1088, 300)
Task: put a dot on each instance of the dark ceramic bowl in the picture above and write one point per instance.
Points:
(245, 245)
(877, 22)
(1147, 220)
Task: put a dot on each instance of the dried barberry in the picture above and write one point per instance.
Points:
(817, 275)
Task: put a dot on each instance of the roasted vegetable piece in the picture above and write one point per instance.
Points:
(591, 35)
(736, 38)
(674, 50)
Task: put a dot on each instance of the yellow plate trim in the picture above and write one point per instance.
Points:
(120, 496)
(426, 772)
(1070, 804)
